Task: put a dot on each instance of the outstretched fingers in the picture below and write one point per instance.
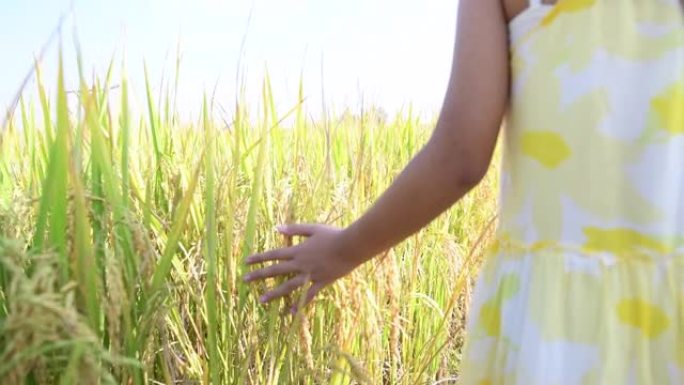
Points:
(284, 289)
(281, 268)
(298, 229)
(283, 254)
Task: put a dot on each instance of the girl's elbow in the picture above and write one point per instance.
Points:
(470, 171)
(467, 160)
(465, 165)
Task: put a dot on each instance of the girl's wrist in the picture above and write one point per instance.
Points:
(353, 247)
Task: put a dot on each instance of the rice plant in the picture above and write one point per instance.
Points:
(122, 241)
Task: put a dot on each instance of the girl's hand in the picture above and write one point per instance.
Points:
(321, 260)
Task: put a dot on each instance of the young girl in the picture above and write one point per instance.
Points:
(586, 281)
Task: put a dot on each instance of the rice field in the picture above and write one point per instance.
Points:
(122, 240)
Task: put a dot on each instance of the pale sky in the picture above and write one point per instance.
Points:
(390, 53)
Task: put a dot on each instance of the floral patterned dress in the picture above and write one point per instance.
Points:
(585, 282)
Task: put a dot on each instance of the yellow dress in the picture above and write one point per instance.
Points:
(585, 283)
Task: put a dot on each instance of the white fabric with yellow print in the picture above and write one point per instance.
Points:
(585, 283)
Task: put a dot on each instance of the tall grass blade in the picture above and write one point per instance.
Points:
(210, 246)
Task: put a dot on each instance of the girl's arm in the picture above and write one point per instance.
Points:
(452, 162)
